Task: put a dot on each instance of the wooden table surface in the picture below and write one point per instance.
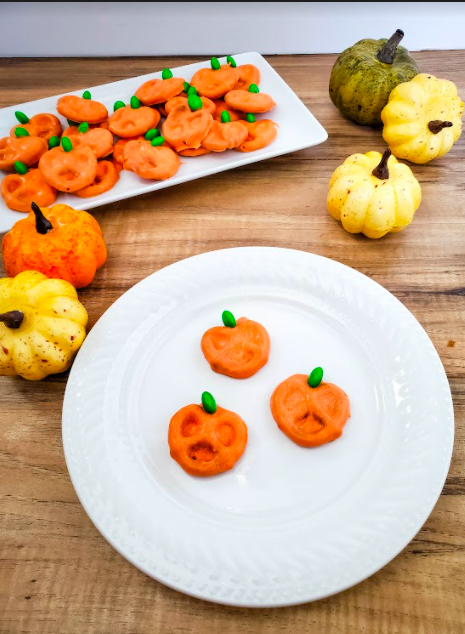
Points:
(57, 573)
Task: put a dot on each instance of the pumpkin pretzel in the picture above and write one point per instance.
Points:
(99, 140)
(308, 411)
(187, 125)
(24, 149)
(20, 189)
(44, 125)
(225, 135)
(68, 169)
(260, 134)
(247, 74)
(158, 91)
(150, 159)
(133, 120)
(107, 176)
(216, 81)
(250, 100)
(237, 349)
(206, 440)
(82, 109)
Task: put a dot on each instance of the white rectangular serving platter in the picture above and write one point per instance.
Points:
(298, 129)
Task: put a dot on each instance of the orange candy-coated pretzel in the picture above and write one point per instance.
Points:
(118, 148)
(157, 91)
(130, 122)
(69, 171)
(225, 136)
(247, 74)
(260, 134)
(184, 129)
(310, 416)
(238, 352)
(214, 83)
(25, 149)
(206, 444)
(221, 106)
(79, 109)
(98, 139)
(245, 101)
(156, 163)
(200, 151)
(43, 125)
(20, 190)
(207, 104)
(107, 176)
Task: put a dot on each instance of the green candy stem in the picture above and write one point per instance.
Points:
(225, 117)
(215, 63)
(151, 134)
(83, 127)
(54, 142)
(186, 86)
(250, 117)
(157, 141)
(194, 102)
(135, 103)
(118, 105)
(231, 61)
(208, 403)
(166, 73)
(86, 95)
(191, 91)
(316, 377)
(228, 319)
(12, 319)
(20, 168)
(19, 132)
(22, 118)
(254, 88)
(43, 225)
(66, 144)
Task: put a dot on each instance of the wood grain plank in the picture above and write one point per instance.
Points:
(57, 574)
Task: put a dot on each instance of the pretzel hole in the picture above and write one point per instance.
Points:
(189, 426)
(202, 451)
(227, 434)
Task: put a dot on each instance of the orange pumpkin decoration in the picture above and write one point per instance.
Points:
(43, 125)
(214, 82)
(98, 139)
(247, 74)
(260, 134)
(132, 121)
(207, 104)
(25, 149)
(185, 129)
(156, 91)
(19, 190)
(247, 101)
(68, 169)
(59, 241)
(237, 349)
(206, 440)
(310, 416)
(82, 109)
(107, 176)
(147, 161)
(225, 136)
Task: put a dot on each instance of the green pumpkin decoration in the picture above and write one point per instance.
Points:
(364, 75)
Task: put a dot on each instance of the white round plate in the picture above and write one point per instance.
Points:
(287, 525)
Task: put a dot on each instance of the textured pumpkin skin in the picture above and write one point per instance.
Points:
(365, 204)
(360, 84)
(72, 251)
(52, 331)
(411, 107)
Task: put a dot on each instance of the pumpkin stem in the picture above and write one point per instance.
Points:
(381, 171)
(388, 52)
(12, 319)
(437, 125)
(43, 225)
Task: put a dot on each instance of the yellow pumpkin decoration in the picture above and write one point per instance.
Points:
(373, 194)
(422, 119)
(42, 325)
